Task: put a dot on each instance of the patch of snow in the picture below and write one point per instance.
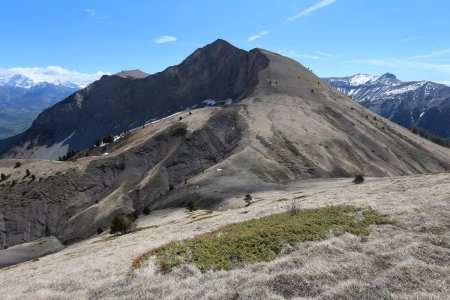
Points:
(360, 79)
(405, 89)
(212, 102)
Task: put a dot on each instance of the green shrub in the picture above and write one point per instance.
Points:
(248, 199)
(108, 139)
(263, 239)
(147, 211)
(358, 179)
(191, 206)
(3, 177)
(17, 165)
(99, 230)
(122, 223)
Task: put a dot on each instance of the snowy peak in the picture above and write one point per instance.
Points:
(423, 104)
(21, 81)
(388, 78)
(16, 80)
(360, 79)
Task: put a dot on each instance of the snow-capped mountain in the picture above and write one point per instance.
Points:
(423, 104)
(11, 79)
(22, 99)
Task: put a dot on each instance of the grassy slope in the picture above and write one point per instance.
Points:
(406, 260)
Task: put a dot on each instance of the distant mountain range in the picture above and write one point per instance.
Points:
(22, 99)
(421, 104)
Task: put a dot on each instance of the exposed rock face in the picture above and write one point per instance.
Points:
(115, 104)
(74, 204)
(423, 104)
(285, 124)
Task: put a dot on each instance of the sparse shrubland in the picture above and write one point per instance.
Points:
(263, 239)
(435, 139)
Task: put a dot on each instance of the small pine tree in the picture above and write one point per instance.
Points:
(147, 211)
(122, 223)
(191, 206)
(108, 139)
(17, 165)
(28, 172)
(358, 179)
(3, 177)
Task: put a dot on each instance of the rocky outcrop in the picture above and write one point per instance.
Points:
(72, 205)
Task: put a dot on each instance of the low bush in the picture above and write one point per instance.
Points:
(122, 224)
(259, 240)
(358, 179)
(17, 165)
(191, 206)
(108, 139)
(147, 211)
(248, 199)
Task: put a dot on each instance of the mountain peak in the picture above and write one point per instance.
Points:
(387, 76)
(132, 74)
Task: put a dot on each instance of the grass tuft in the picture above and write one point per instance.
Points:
(263, 239)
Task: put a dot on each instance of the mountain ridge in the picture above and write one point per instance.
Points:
(284, 124)
(422, 104)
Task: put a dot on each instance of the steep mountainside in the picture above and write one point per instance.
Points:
(284, 124)
(115, 104)
(21, 100)
(423, 104)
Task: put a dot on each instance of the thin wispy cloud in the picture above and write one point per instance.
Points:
(165, 39)
(324, 54)
(402, 64)
(54, 74)
(318, 55)
(309, 10)
(409, 39)
(432, 54)
(296, 55)
(93, 14)
(257, 36)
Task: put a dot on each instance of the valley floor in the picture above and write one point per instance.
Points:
(407, 260)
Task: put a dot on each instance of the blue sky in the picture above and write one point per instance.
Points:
(332, 37)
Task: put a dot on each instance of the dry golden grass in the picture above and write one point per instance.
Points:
(406, 260)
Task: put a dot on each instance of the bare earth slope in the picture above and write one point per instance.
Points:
(287, 125)
(406, 260)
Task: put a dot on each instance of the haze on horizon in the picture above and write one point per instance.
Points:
(332, 37)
